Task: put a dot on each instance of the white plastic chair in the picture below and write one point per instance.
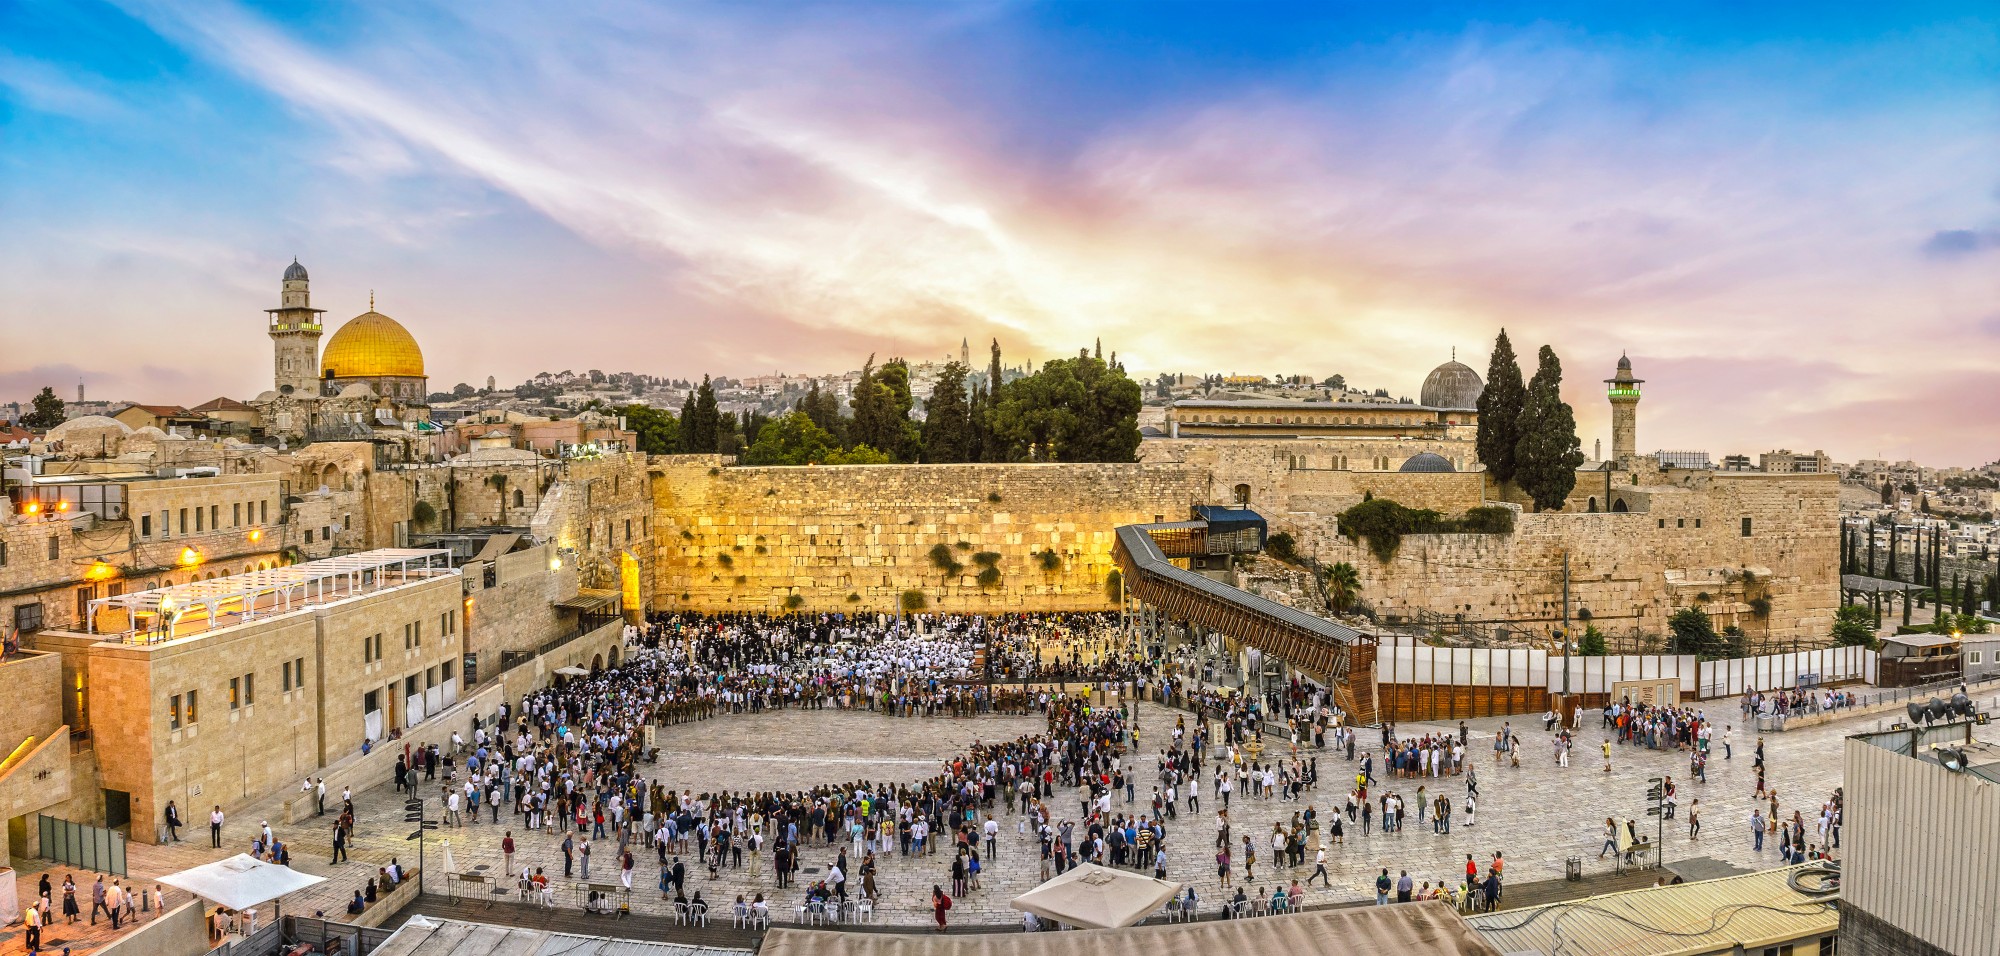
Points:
(864, 911)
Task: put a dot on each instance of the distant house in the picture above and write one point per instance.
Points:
(162, 417)
(227, 416)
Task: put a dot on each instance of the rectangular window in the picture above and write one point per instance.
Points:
(145, 526)
(84, 595)
(263, 512)
(236, 515)
(285, 678)
(628, 530)
(184, 521)
(406, 637)
(28, 617)
(197, 520)
(249, 689)
(235, 692)
(1746, 527)
(55, 547)
(446, 670)
(1663, 522)
(299, 671)
(174, 713)
(192, 714)
(1974, 657)
(215, 517)
(309, 536)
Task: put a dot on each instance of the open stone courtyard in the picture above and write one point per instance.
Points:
(1537, 815)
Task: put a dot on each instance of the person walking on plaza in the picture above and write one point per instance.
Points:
(174, 823)
(507, 854)
(70, 911)
(569, 855)
(1610, 838)
(97, 901)
(1757, 825)
(1694, 819)
(1319, 871)
(339, 843)
(215, 827)
(1607, 755)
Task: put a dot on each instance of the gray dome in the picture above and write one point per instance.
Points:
(1452, 385)
(1427, 463)
(295, 271)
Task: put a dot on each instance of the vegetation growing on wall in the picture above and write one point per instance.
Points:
(1049, 559)
(914, 600)
(1384, 523)
(1282, 546)
(422, 514)
(944, 560)
(1114, 586)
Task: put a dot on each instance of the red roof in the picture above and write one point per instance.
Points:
(160, 411)
(222, 405)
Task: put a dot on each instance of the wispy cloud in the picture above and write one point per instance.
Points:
(807, 179)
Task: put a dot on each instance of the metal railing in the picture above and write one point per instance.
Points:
(348, 939)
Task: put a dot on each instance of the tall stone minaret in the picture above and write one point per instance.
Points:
(965, 352)
(295, 331)
(1624, 395)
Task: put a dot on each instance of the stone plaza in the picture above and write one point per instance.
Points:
(1538, 815)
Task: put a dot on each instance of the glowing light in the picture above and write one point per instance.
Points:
(256, 535)
(99, 570)
(32, 507)
(555, 564)
(189, 557)
(62, 504)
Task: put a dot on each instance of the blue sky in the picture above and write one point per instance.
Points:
(1788, 215)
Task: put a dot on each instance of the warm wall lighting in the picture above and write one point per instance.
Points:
(62, 504)
(256, 535)
(555, 564)
(99, 571)
(32, 507)
(190, 557)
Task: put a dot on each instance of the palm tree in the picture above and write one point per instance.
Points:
(1343, 583)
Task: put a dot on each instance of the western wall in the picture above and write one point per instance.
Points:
(1757, 551)
(856, 537)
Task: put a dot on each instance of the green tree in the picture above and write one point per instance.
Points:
(1591, 643)
(1079, 409)
(1343, 585)
(1691, 632)
(1547, 456)
(791, 440)
(1968, 602)
(947, 428)
(659, 431)
(48, 411)
(990, 447)
(1854, 626)
(1500, 411)
(824, 409)
(705, 427)
(687, 425)
(882, 406)
(860, 455)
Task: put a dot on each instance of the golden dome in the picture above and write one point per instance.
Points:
(372, 345)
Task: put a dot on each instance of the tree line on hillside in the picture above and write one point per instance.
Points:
(1071, 410)
(1527, 433)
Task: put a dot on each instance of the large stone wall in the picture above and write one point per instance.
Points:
(856, 537)
(1631, 570)
(1298, 475)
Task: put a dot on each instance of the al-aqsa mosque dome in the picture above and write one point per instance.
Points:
(375, 350)
(1453, 385)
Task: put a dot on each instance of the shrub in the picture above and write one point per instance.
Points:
(994, 497)
(1050, 560)
(914, 600)
(724, 558)
(687, 535)
(1854, 626)
(1583, 614)
(1114, 586)
(1384, 522)
(1760, 606)
(853, 597)
(422, 513)
(1702, 597)
(944, 560)
(1591, 644)
(793, 601)
(684, 595)
(762, 550)
(742, 579)
(986, 559)
(1281, 546)
(988, 576)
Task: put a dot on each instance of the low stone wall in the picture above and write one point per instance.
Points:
(183, 931)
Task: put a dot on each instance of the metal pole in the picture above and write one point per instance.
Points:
(1566, 635)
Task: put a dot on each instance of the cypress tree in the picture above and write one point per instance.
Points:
(947, 428)
(1547, 456)
(1871, 551)
(687, 425)
(1937, 563)
(707, 420)
(1500, 411)
(1969, 602)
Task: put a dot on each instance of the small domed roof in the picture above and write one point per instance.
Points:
(1625, 362)
(1452, 385)
(87, 423)
(372, 345)
(1427, 463)
(295, 271)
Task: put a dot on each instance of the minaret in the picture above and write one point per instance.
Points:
(295, 331)
(965, 352)
(1624, 395)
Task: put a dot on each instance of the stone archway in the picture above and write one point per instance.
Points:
(611, 655)
(1619, 506)
(597, 664)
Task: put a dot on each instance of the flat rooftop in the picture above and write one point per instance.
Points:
(188, 610)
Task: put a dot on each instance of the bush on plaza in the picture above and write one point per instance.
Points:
(915, 601)
(1591, 644)
(1281, 546)
(1690, 631)
(1854, 626)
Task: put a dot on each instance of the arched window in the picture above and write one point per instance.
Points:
(1242, 494)
(1618, 506)
(518, 498)
(1593, 504)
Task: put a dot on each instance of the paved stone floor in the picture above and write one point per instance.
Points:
(1537, 815)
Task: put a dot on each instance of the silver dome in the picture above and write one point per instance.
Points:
(1452, 385)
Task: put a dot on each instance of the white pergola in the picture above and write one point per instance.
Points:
(275, 591)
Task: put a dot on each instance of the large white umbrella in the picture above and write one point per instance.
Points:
(240, 882)
(1097, 897)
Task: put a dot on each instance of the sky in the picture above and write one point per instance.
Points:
(1788, 215)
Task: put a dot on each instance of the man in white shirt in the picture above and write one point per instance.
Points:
(215, 827)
